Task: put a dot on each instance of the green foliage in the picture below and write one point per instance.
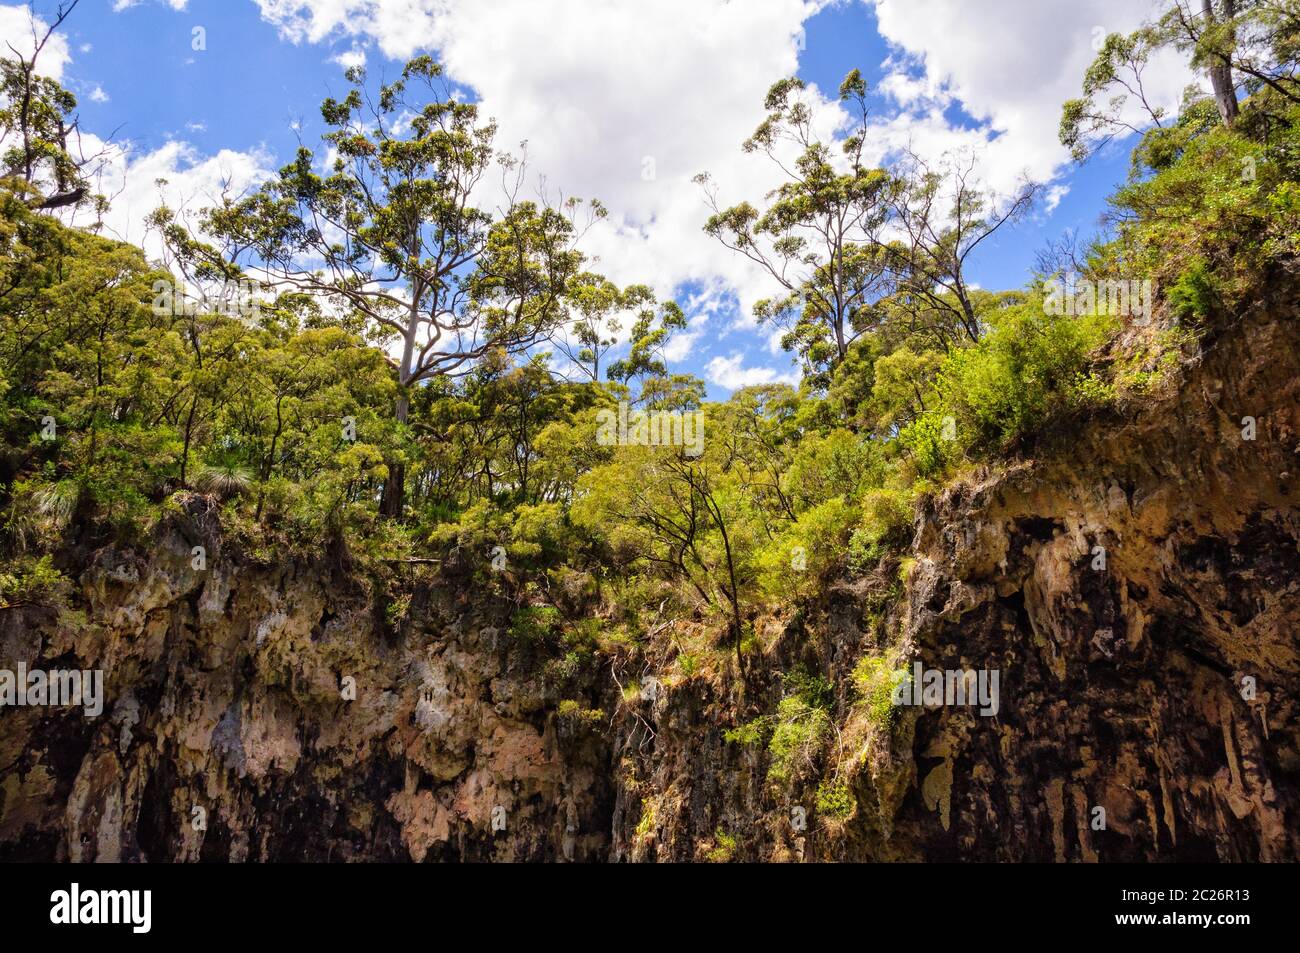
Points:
(1025, 373)
(724, 847)
(535, 625)
(575, 719)
(1195, 295)
(808, 549)
(886, 525)
(751, 733)
(819, 236)
(875, 681)
(798, 733)
(835, 800)
(30, 580)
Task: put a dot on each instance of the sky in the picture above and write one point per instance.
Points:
(620, 100)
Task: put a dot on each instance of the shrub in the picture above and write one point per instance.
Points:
(875, 680)
(886, 524)
(1012, 383)
(30, 580)
(797, 738)
(724, 847)
(835, 799)
(810, 548)
(535, 625)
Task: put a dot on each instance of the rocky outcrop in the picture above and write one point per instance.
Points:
(260, 712)
(1136, 594)
(1140, 595)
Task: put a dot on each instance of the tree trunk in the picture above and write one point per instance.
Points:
(393, 501)
(1225, 93)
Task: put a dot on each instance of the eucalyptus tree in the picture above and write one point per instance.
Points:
(1236, 44)
(820, 235)
(392, 226)
(943, 215)
(40, 142)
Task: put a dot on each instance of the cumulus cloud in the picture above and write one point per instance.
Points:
(730, 372)
(624, 101)
(19, 29)
(175, 175)
(1009, 65)
(349, 59)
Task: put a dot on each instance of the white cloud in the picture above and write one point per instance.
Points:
(120, 5)
(624, 101)
(131, 180)
(16, 29)
(350, 58)
(175, 175)
(731, 373)
(1010, 64)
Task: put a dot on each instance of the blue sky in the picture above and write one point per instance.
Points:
(595, 94)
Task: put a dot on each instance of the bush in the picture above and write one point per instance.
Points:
(30, 580)
(797, 559)
(1017, 379)
(875, 680)
(797, 737)
(535, 625)
(724, 847)
(835, 799)
(886, 524)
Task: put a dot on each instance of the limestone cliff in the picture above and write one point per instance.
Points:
(277, 709)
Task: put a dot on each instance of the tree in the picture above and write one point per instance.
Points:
(391, 231)
(1087, 123)
(686, 518)
(596, 306)
(945, 217)
(38, 128)
(1257, 40)
(820, 236)
(1254, 38)
(646, 361)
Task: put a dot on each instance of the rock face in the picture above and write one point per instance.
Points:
(1137, 596)
(261, 713)
(1142, 601)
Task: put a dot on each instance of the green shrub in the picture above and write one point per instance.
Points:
(1016, 380)
(797, 737)
(886, 524)
(756, 732)
(724, 847)
(814, 545)
(535, 625)
(1195, 295)
(30, 580)
(875, 680)
(835, 799)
